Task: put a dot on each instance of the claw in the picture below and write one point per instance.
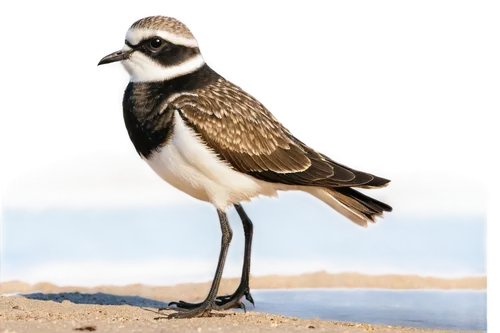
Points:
(182, 305)
(178, 303)
(249, 298)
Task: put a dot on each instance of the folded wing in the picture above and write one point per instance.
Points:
(241, 131)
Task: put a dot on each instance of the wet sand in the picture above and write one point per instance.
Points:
(79, 309)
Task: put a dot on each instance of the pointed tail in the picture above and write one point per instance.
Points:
(354, 205)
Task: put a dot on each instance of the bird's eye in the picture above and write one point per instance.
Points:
(155, 43)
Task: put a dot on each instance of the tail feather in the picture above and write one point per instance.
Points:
(369, 203)
(354, 205)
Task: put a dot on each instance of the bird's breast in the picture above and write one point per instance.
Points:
(191, 166)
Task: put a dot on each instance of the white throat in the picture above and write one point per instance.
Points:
(142, 69)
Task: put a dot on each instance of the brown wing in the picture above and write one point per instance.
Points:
(246, 135)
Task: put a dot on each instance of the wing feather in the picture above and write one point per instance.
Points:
(246, 135)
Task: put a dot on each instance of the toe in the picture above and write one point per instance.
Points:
(249, 297)
(182, 305)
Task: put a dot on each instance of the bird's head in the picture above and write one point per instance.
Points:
(157, 48)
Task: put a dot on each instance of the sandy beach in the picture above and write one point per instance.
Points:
(101, 309)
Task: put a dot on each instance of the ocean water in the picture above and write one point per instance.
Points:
(452, 310)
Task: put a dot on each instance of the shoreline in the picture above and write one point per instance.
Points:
(20, 314)
(134, 307)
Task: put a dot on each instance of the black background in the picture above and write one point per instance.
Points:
(382, 89)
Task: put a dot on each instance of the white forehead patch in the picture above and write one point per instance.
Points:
(143, 69)
(136, 35)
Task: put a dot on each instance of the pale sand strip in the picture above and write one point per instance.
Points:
(196, 291)
(20, 314)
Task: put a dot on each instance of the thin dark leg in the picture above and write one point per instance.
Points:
(204, 308)
(234, 300)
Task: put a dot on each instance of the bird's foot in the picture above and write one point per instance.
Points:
(221, 302)
(191, 310)
(235, 300)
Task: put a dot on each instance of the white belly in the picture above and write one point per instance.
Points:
(188, 165)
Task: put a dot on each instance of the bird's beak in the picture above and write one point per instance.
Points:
(115, 56)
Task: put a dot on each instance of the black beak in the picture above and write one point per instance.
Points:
(113, 57)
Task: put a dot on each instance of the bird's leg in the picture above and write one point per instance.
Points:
(234, 300)
(190, 310)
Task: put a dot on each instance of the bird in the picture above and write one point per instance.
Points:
(209, 138)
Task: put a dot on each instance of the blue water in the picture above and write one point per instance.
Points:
(452, 310)
(296, 231)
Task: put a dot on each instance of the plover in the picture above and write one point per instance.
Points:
(210, 139)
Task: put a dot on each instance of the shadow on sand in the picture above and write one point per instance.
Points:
(106, 299)
(97, 298)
